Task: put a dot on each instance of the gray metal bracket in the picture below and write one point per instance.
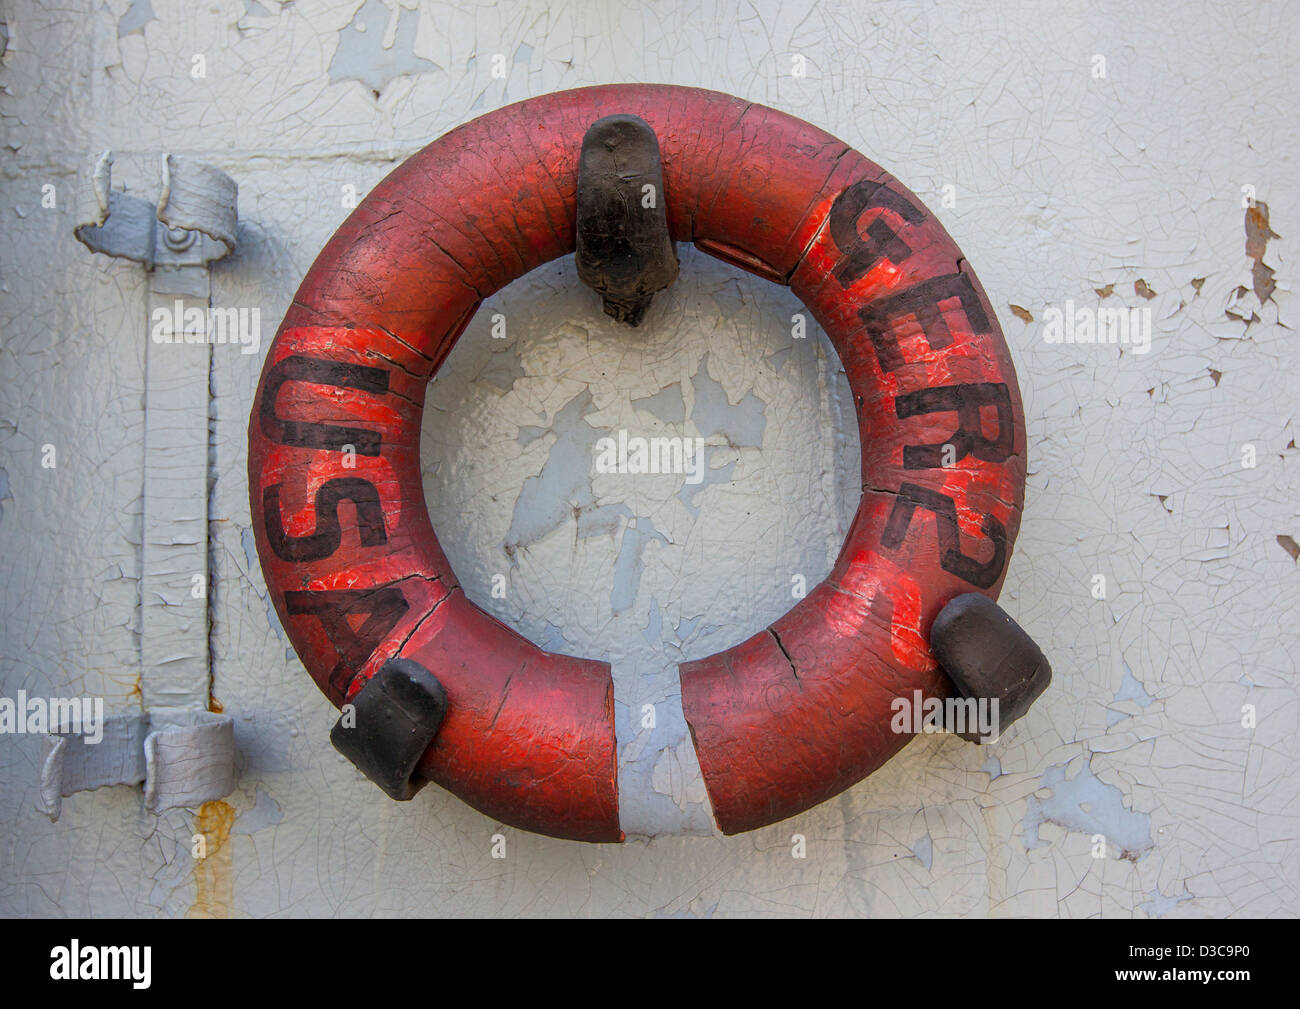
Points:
(194, 222)
(182, 752)
(184, 757)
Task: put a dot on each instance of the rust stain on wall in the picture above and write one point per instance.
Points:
(214, 882)
(1257, 235)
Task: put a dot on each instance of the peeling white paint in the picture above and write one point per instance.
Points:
(1065, 184)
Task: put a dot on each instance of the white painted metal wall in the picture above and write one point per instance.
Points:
(1096, 153)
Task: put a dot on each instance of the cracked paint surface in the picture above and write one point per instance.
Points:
(1067, 186)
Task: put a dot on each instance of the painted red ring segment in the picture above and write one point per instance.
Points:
(789, 717)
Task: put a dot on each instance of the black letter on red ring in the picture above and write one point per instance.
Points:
(307, 434)
(921, 300)
(860, 255)
(329, 533)
(968, 439)
(951, 559)
(386, 605)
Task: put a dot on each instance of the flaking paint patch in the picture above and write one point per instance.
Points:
(674, 776)
(740, 424)
(630, 565)
(266, 812)
(249, 543)
(139, 14)
(654, 627)
(712, 475)
(601, 520)
(1157, 905)
(1129, 690)
(1085, 804)
(923, 849)
(1258, 233)
(366, 54)
(667, 404)
(552, 639)
(528, 434)
(563, 487)
(502, 370)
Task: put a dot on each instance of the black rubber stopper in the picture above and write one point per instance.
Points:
(988, 655)
(394, 719)
(624, 252)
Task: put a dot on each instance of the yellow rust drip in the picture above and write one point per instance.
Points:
(214, 882)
